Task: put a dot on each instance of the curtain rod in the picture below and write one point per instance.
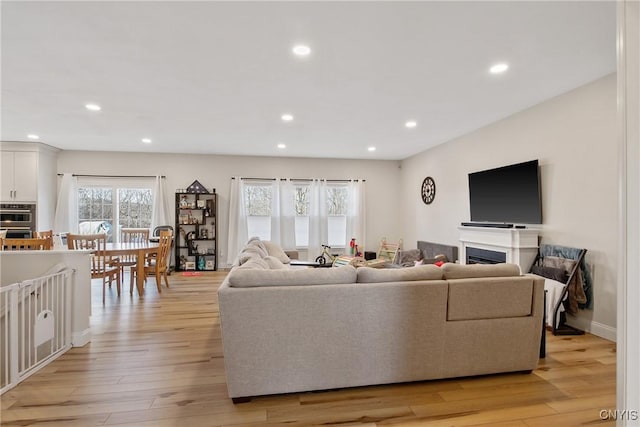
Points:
(115, 176)
(298, 179)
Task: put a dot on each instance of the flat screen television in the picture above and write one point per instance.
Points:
(509, 194)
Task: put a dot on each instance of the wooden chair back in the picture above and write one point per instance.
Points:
(95, 242)
(26, 244)
(164, 246)
(47, 234)
(134, 235)
(159, 265)
(102, 265)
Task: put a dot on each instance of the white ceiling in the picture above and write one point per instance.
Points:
(215, 77)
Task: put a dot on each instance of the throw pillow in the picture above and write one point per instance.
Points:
(409, 257)
(276, 251)
(246, 256)
(257, 244)
(255, 250)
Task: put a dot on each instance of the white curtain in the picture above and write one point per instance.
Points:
(318, 218)
(160, 212)
(356, 224)
(66, 216)
(237, 220)
(283, 214)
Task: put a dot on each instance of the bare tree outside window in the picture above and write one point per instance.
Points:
(337, 201)
(96, 209)
(301, 201)
(258, 204)
(258, 200)
(135, 207)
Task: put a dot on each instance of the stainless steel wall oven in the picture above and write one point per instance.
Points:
(18, 219)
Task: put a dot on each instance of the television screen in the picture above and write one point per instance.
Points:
(509, 194)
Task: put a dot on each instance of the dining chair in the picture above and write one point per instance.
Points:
(132, 235)
(158, 266)
(25, 244)
(103, 266)
(47, 234)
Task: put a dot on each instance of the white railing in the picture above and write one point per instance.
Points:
(35, 325)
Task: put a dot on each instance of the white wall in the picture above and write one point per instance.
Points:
(574, 138)
(383, 178)
(628, 346)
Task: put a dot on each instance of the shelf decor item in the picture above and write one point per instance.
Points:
(197, 188)
(196, 243)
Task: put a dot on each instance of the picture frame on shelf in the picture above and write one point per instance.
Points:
(209, 265)
(201, 204)
(190, 265)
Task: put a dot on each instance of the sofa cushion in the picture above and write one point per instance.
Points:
(274, 263)
(276, 251)
(255, 263)
(457, 271)
(409, 274)
(490, 298)
(251, 278)
(257, 245)
(246, 256)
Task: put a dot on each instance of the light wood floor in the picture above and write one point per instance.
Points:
(158, 362)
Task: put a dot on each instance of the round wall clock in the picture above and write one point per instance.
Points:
(428, 190)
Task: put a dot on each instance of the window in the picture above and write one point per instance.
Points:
(258, 202)
(337, 197)
(336, 210)
(301, 205)
(257, 199)
(97, 205)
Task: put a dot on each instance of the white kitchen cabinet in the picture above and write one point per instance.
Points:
(19, 176)
(28, 175)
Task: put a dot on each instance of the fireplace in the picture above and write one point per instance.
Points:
(486, 245)
(484, 256)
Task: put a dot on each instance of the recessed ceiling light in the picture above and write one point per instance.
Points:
(301, 50)
(411, 124)
(93, 107)
(286, 117)
(499, 68)
(371, 148)
(281, 146)
(33, 136)
(146, 140)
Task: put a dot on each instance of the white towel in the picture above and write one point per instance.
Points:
(554, 293)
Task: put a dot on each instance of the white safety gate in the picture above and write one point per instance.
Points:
(35, 325)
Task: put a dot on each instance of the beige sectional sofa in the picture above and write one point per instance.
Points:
(298, 329)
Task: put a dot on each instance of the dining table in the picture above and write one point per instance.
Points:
(140, 251)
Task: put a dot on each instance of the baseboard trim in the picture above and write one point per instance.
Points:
(80, 339)
(599, 329)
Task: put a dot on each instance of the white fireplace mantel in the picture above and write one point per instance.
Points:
(520, 245)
